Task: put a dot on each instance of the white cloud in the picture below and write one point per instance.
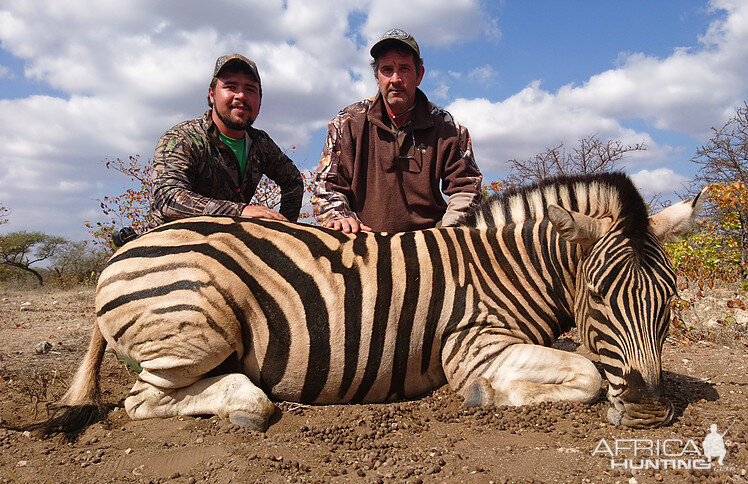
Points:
(659, 181)
(483, 74)
(683, 93)
(127, 71)
(439, 91)
(427, 20)
(526, 123)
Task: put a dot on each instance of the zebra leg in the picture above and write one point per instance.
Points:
(523, 373)
(231, 396)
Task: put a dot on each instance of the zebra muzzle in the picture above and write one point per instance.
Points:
(641, 414)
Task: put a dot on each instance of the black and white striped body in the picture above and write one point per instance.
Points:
(319, 316)
(312, 315)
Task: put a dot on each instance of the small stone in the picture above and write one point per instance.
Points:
(43, 348)
(22, 463)
(128, 451)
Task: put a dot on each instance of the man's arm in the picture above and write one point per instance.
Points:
(461, 180)
(175, 166)
(332, 186)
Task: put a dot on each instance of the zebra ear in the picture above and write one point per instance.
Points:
(576, 227)
(677, 219)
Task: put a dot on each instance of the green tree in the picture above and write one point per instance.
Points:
(723, 165)
(715, 250)
(77, 262)
(19, 250)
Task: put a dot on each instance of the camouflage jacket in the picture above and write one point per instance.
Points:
(394, 180)
(195, 173)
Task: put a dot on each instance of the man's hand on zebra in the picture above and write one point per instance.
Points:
(347, 225)
(258, 211)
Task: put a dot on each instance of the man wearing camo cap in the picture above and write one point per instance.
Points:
(212, 165)
(389, 160)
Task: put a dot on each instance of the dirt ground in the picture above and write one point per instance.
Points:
(427, 440)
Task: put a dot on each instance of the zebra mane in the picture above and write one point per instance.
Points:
(601, 195)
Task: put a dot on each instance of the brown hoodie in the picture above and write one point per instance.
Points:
(375, 172)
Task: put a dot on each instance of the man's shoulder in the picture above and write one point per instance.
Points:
(258, 135)
(187, 135)
(356, 109)
(441, 114)
(263, 143)
(191, 126)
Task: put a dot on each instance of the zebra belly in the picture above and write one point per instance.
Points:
(365, 366)
(315, 316)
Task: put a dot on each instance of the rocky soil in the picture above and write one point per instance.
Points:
(44, 333)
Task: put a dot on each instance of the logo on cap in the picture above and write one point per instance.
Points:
(396, 34)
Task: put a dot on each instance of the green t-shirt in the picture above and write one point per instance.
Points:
(239, 147)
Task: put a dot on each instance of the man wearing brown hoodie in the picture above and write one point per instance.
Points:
(388, 161)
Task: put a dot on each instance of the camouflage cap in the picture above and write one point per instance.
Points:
(222, 61)
(397, 35)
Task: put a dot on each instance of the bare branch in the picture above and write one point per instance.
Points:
(590, 156)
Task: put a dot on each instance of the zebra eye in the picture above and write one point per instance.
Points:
(596, 297)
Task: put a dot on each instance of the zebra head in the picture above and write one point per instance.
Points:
(624, 286)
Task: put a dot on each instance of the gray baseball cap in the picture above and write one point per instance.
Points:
(222, 61)
(397, 35)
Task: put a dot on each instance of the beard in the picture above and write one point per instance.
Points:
(234, 123)
(398, 102)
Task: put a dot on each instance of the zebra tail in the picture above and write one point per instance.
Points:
(81, 405)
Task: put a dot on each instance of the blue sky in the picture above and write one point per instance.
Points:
(86, 81)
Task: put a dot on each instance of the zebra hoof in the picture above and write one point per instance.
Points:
(249, 421)
(480, 394)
